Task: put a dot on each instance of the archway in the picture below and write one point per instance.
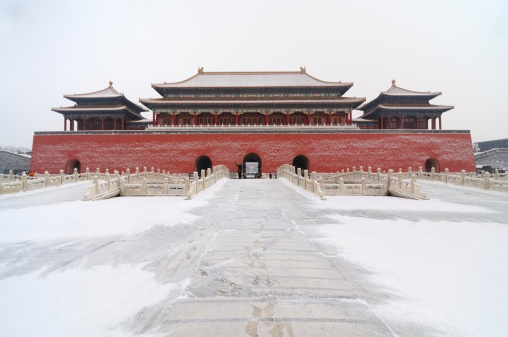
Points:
(252, 158)
(202, 163)
(71, 165)
(302, 162)
(432, 163)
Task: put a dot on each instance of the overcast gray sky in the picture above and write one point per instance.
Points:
(51, 48)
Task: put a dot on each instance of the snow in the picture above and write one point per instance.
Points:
(443, 262)
(450, 273)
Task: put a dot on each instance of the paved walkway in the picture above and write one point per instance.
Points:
(255, 272)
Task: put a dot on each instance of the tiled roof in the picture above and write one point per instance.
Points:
(251, 79)
(108, 92)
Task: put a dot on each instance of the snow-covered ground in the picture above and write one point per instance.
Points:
(442, 262)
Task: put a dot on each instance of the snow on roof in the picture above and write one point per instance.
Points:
(251, 79)
(108, 92)
(398, 91)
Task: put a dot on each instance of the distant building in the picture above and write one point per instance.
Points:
(492, 153)
(18, 163)
(271, 118)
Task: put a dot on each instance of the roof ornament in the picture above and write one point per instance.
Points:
(200, 70)
(110, 84)
(393, 82)
(303, 70)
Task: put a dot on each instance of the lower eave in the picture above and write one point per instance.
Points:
(250, 104)
(430, 109)
(97, 111)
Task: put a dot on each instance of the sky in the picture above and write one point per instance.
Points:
(51, 48)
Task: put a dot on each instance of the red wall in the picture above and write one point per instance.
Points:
(178, 152)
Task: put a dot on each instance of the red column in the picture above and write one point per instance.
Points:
(287, 118)
(381, 126)
(84, 123)
(236, 118)
(433, 123)
(114, 123)
(419, 122)
(123, 123)
(440, 125)
(102, 121)
(402, 122)
(153, 118)
(72, 124)
(195, 119)
(65, 124)
(216, 118)
(308, 118)
(175, 121)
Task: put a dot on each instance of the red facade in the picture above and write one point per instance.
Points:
(179, 153)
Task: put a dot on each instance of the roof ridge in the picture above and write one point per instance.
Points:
(95, 92)
(412, 91)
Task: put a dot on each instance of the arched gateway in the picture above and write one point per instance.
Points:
(249, 166)
(71, 165)
(202, 163)
(432, 163)
(302, 162)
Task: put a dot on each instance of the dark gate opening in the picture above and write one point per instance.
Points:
(432, 163)
(252, 157)
(202, 163)
(302, 162)
(71, 165)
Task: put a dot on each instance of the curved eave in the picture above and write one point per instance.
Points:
(169, 104)
(379, 98)
(96, 110)
(398, 109)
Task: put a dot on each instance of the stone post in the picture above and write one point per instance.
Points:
(313, 175)
(62, 177)
(87, 173)
(24, 180)
(75, 175)
(409, 171)
(496, 174)
(446, 176)
(143, 187)
(46, 177)
(432, 173)
(95, 185)
(165, 186)
(420, 172)
(378, 174)
(11, 175)
(413, 181)
(195, 176)
(369, 169)
(341, 183)
(486, 180)
(208, 172)
(186, 186)
(462, 177)
(128, 176)
(107, 178)
(137, 172)
(364, 186)
(390, 173)
(306, 175)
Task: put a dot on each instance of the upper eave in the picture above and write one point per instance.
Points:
(396, 91)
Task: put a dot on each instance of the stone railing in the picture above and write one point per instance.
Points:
(153, 183)
(486, 181)
(10, 183)
(253, 126)
(355, 182)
